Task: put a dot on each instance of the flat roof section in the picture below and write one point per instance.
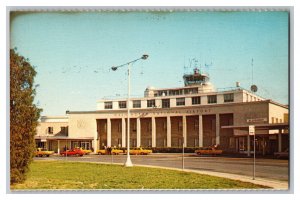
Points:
(62, 138)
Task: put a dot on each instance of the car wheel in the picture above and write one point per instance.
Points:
(47, 155)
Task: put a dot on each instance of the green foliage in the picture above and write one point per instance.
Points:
(78, 175)
(23, 116)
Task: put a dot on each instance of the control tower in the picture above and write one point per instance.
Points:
(194, 83)
(196, 78)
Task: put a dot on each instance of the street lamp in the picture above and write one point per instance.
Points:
(128, 162)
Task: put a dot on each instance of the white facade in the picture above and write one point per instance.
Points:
(239, 95)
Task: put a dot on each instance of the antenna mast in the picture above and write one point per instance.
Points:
(253, 87)
(252, 69)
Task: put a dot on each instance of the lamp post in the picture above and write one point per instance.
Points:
(252, 132)
(128, 162)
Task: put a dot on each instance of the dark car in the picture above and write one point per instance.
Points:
(283, 154)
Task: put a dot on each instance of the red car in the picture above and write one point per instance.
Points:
(73, 152)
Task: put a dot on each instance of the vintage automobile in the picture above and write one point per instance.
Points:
(43, 152)
(86, 151)
(114, 151)
(73, 152)
(208, 151)
(139, 151)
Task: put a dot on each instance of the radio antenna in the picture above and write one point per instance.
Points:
(253, 87)
(252, 69)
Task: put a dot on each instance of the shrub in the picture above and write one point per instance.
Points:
(23, 116)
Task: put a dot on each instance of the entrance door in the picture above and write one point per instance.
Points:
(85, 145)
(273, 146)
(74, 145)
(242, 146)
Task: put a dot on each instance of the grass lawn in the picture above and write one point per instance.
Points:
(75, 175)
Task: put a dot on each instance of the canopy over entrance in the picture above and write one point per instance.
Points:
(276, 126)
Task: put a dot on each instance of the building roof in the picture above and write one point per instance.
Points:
(62, 138)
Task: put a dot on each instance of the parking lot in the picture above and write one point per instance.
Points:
(275, 169)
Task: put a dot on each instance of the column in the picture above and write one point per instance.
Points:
(237, 145)
(200, 131)
(168, 131)
(280, 140)
(217, 129)
(248, 145)
(123, 132)
(58, 147)
(264, 146)
(184, 130)
(153, 132)
(108, 132)
(95, 141)
(138, 132)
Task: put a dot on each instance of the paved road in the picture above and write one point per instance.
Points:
(265, 168)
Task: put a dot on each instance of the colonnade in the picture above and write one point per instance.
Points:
(154, 132)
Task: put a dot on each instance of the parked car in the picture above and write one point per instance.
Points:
(114, 151)
(73, 152)
(86, 151)
(208, 151)
(139, 151)
(43, 152)
(283, 154)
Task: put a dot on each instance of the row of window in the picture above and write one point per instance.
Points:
(63, 129)
(176, 92)
(166, 102)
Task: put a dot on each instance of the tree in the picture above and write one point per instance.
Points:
(24, 116)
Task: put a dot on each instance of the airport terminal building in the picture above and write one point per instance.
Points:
(196, 115)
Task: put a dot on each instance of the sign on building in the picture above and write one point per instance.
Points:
(257, 120)
(251, 130)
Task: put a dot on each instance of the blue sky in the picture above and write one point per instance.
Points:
(73, 52)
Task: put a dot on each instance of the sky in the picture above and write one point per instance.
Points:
(73, 53)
